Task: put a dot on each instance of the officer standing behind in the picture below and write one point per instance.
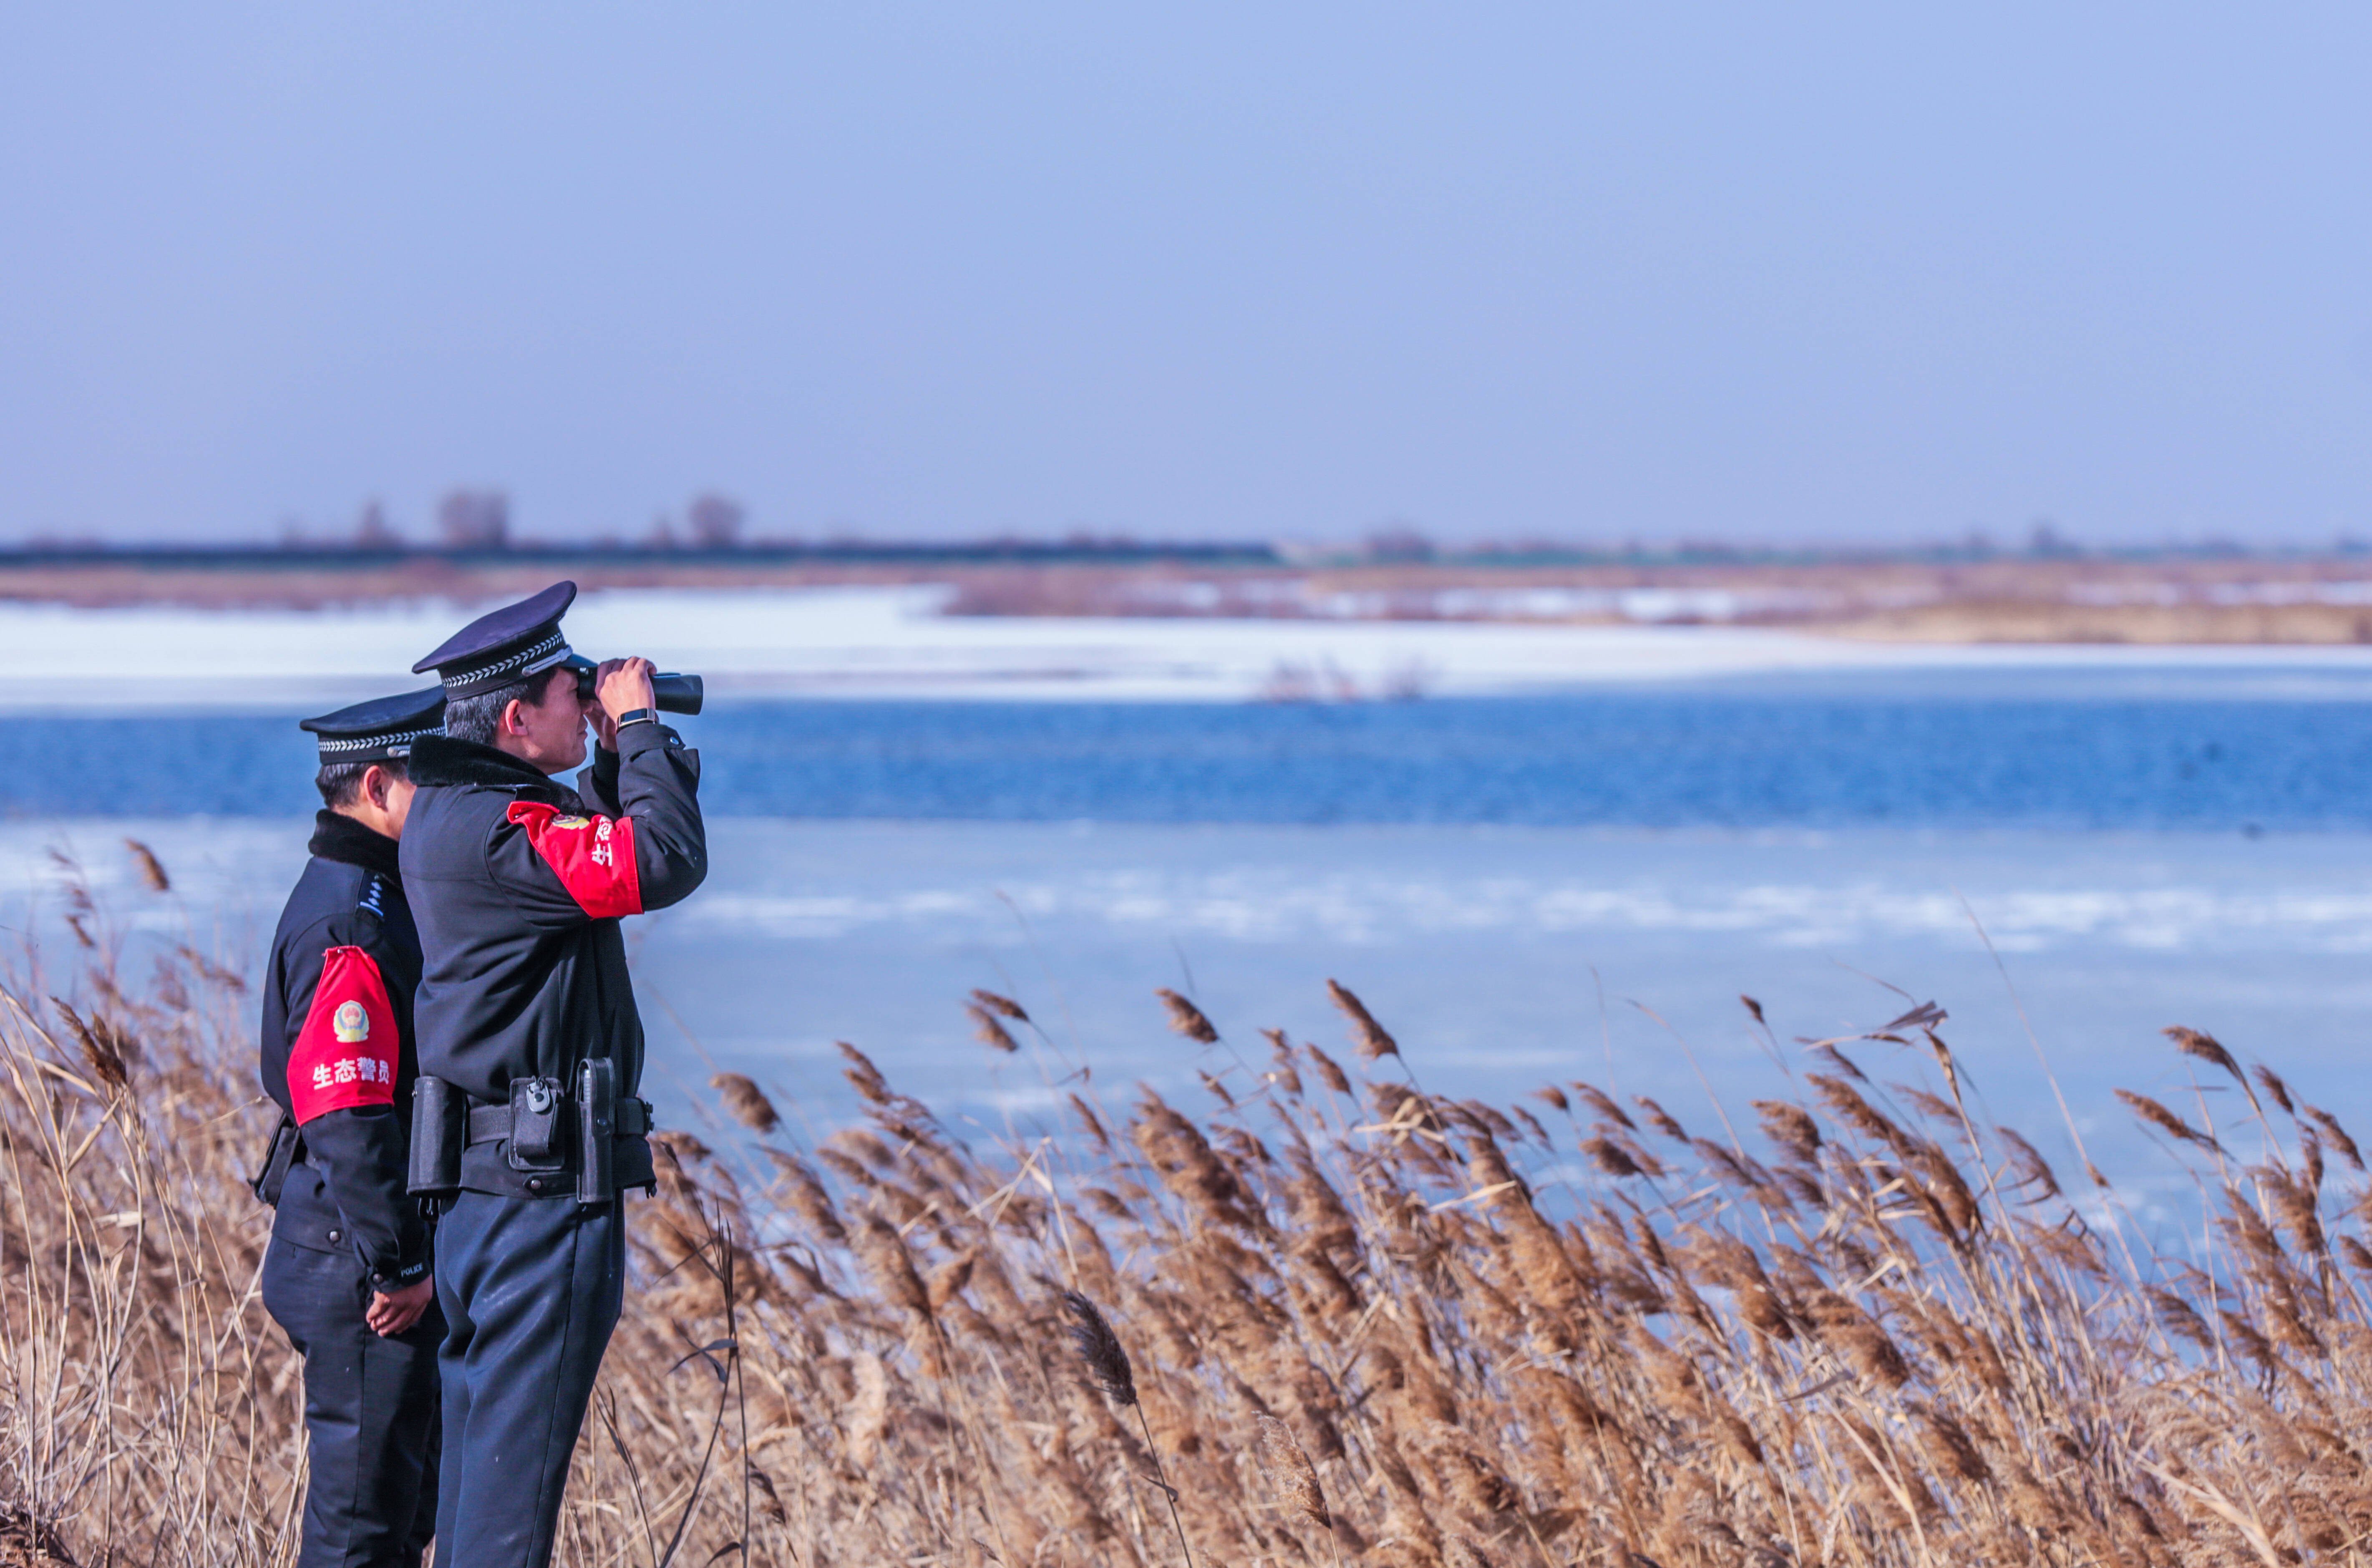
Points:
(525, 1012)
(347, 1273)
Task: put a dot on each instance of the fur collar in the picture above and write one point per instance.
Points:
(441, 759)
(341, 838)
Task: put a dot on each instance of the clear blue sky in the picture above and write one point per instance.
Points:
(1584, 271)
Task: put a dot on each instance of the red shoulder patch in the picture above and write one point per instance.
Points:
(345, 1054)
(593, 856)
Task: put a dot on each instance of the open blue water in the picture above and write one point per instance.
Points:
(1952, 751)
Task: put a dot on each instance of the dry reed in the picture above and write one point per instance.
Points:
(1187, 1019)
(988, 1030)
(745, 1102)
(1880, 1335)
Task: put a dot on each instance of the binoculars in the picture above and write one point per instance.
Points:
(672, 694)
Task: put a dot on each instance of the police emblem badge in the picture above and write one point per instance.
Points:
(571, 821)
(351, 1023)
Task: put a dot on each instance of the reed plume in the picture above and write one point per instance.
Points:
(2164, 1119)
(152, 870)
(1290, 1474)
(863, 1076)
(987, 1030)
(746, 1103)
(1187, 1019)
(1099, 1351)
(1329, 1069)
(2192, 1042)
(1374, 1043)
(1003, 1006)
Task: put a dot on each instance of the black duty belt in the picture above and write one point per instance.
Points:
(491, 1123)
(550, 1138)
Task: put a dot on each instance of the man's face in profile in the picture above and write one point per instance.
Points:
(550, 731)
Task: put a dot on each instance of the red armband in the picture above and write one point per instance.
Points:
(593, 856)
(345, 1054)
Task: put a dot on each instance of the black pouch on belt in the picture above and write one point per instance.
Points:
(439, 1131)
(539, 1125)
(596, 1119)
(276, 1161)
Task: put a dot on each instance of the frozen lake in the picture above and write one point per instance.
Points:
(843, 642)
(1574, 871)
(1502, 957)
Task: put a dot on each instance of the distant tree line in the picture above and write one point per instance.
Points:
(476, 522)
(481, 520)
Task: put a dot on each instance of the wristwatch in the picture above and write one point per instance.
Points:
(638, 715)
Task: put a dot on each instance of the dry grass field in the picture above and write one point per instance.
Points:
(1321, 1316)
(2090, 598)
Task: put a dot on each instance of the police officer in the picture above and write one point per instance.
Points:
(525, 1010)
(347, 1274)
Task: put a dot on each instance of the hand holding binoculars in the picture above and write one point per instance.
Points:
(670, 693)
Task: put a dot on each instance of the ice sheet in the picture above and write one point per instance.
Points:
(887, 642)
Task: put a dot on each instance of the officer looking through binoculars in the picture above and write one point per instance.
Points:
(527, 1125)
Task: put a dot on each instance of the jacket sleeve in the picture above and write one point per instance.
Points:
(563, 868)
(342, 1071)
(599, 783)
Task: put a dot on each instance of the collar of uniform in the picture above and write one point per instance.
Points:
(441, 759)
(341, 838)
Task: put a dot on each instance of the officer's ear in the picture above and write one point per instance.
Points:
(380, 782)
(514, 719)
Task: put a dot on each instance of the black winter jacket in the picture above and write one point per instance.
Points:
(519, 884)
(338, 1052)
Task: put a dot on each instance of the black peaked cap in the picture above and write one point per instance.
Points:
(380, 728)
(504, 644)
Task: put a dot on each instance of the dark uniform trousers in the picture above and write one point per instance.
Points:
(532, 1288)
(370, 1403)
